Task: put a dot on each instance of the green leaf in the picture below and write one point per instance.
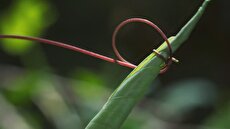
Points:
(133, 88)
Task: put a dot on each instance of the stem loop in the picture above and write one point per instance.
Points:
(121, 61)
(168, 61)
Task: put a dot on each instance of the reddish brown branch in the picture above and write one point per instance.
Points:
(121, 60)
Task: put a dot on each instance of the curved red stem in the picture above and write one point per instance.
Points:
(70, 47)
(141, 20)
(121, 60)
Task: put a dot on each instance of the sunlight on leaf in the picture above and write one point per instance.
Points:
(25, 17)
(90, 86)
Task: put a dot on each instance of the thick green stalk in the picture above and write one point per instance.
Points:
(134, 87)
(186, 30)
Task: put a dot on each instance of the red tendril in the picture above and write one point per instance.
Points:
(70, 47)
(121, 61)
(168, 61)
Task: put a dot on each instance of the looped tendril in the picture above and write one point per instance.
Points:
(168, 61)
(121, 61)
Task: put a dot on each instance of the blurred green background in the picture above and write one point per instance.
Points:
(45, 87)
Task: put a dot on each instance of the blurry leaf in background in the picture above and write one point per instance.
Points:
(54, 107)
(91, 91)
(173, 104)
(185, 96)
(25, 17)
(90, 87)
(220, 119)
(40, 89)
(10, 118)
(20, 89)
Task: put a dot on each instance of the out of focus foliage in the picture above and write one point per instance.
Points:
(25, 17)
(34, 98)
(33, 95)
